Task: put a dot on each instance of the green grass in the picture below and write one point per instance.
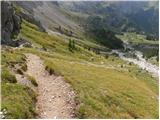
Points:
(7, 76)
(9, 59)
(12, 57)
(109, 93)
(154, 60)
(19, 71)
(101, 92)
(106, 93)
(53, 44)
(136, 38)
(18, 100)
(18, 9)
(148, 52)
(33, 80)
(103, 88)
(24, 67)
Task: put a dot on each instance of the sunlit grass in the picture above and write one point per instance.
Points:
(104, 89)
(136, 38)
(109, 93)
(18, 100)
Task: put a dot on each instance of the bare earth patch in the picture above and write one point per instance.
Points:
(55, 96)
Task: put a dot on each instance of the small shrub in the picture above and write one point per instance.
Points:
(19, 71)
(157, 58)
(33, 80)
(71, 45)
(130, 63)
(24, 67)
(44, 48)
(12, 65)
(23, 58)
(81, 112)
(106, 56)
(50, 70)
(8, 77)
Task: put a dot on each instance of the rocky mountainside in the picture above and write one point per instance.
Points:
(51, 15)
(120, 16)
(78, 20)
(11, 23)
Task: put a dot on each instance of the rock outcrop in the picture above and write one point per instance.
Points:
(11, 24)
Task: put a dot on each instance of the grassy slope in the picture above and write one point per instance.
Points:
(154, 61)
(136, 38)
(18, 100)
(107, 93)
(102, 92)
(104, 88)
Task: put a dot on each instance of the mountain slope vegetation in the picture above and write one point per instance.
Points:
(105, 85)
(73, 18)
(121, 16)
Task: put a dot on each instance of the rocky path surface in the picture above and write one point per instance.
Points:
(55, 96)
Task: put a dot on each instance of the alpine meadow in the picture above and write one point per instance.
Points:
(79, 59)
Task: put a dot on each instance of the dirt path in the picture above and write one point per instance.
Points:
(55, 96)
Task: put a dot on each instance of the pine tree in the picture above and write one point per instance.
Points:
(73, 44)
(70, 45)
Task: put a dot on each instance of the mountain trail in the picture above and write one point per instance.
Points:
(55, 96)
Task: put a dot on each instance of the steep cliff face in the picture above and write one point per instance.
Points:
(10, 22)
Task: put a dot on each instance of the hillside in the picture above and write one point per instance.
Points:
(76, 19)
(55, 68)
(121, 16)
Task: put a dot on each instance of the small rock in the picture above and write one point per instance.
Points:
(2, 116)
(44, 113)
(72, 115)
(102, 62)
(52, 83)
(5, 112)
(1, 113)
(53, 97)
